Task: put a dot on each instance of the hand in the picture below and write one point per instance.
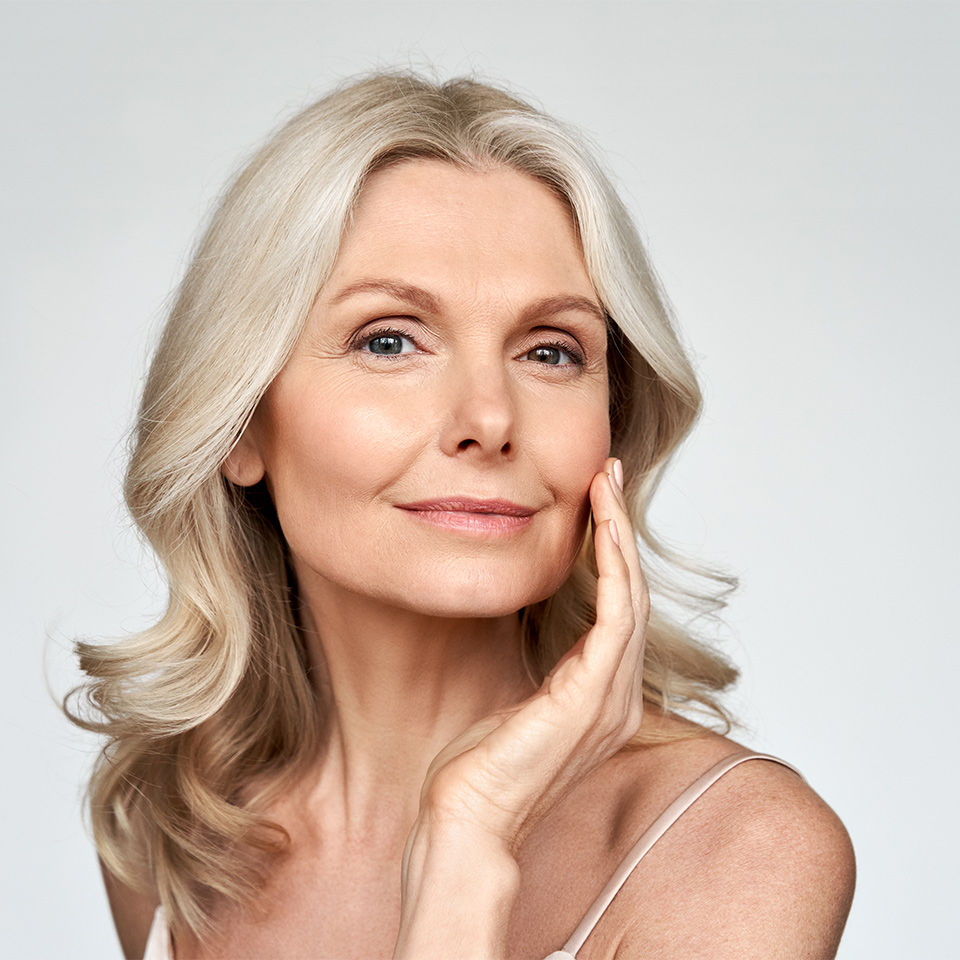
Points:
(486, 790)
(504, 773)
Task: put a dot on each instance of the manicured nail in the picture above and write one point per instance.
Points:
(614, 532)
(618, 473)
(612, 480)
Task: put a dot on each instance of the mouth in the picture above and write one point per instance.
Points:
(470, 515)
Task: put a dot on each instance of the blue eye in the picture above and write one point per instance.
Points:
(555, 355)
(388, 343)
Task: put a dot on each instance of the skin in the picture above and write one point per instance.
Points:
(457, 355)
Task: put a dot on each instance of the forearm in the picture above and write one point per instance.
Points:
(459, 888)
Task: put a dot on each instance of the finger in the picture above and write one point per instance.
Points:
(607, 502)
(615, 635)
(613, 468)
(606, 642)
(607, 497)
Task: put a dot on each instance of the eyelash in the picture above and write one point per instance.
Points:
(364, 340)
(576, 357)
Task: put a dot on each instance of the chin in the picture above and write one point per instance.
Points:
(476, 596)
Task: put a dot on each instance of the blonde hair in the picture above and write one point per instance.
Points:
(210, 714)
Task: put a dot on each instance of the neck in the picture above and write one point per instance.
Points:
(398, 687)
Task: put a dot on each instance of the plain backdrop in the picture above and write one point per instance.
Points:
(794, 168)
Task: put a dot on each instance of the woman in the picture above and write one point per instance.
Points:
(395, 452)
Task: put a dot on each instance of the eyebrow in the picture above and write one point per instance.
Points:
(551, 306)
(424, 300)
(394, 288)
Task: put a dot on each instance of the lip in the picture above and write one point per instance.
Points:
(471, 515)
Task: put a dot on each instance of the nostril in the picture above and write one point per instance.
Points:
(506, 449)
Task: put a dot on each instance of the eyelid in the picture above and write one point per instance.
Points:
(558, 340)
(365, 335)
(539, 337)
(575, 358)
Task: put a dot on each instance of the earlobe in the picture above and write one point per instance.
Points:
(244, 465)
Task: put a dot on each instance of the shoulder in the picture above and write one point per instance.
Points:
(132, 914)
(759, 866)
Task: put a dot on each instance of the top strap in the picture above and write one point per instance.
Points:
(159, 942)
(653, 833)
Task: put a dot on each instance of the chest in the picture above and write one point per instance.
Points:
(316, 903)
(349, 907)
(334, 899)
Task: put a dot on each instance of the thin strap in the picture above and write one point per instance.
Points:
(159, 942)
(653, 833)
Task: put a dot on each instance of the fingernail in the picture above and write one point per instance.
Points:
(614, 532)
(618, 473)
(615, 488)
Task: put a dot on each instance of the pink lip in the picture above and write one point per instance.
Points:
(469, 515)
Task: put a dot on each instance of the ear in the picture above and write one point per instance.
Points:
(244, 466)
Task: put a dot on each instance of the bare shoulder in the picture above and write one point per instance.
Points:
(759, 866)
(132, 914)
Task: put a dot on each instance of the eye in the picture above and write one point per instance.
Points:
(387, 343)
(555, 354)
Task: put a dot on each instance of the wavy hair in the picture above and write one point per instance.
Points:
(209, 715)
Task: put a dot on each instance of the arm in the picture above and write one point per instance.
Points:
(459, 888)
(488, 788)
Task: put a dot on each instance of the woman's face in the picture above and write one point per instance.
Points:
(431, 440)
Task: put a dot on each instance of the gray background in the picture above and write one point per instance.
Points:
(794, 167)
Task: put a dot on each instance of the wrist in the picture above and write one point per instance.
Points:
(459, 888)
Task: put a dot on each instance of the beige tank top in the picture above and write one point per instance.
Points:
(160, 944)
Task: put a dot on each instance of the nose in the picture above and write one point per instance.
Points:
(480, 415)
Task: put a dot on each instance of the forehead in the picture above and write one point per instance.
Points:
(481, 227)
(428, 184)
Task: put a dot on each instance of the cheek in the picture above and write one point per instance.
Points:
(578, 451)
(328, 455)
(568, 461)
